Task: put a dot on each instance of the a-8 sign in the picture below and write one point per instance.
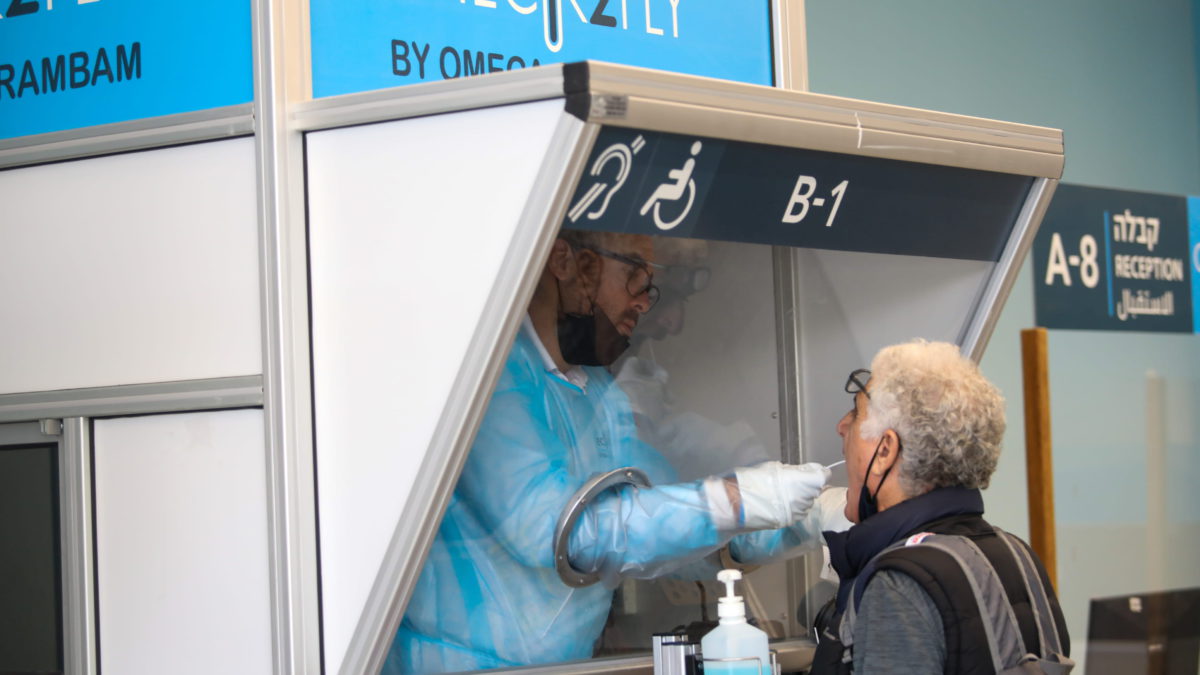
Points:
(1114, 260)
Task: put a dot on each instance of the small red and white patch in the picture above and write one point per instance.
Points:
(917, 538)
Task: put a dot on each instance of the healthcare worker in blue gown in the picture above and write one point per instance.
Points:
(489, 595)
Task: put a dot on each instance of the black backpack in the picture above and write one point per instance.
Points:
(1006, 646)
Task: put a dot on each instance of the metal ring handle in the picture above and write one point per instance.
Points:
(579, 501)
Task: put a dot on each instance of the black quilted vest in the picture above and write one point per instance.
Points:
(947, 586)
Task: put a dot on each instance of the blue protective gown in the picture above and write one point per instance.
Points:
(489, 595)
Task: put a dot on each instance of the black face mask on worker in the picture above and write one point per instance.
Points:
(588, 339)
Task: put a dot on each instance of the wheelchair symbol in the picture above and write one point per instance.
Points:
(623, 155)
(672, 191)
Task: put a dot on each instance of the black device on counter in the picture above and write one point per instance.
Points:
(1151, 633)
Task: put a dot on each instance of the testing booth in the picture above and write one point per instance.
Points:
(798, 234)
(794, 234)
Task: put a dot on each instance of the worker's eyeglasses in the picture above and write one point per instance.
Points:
(858, 382)
(641, 278)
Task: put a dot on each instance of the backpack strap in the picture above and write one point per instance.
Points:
(1042, 614)
(849, 615)
(864, 576)
(999, 622)
(1006, 647)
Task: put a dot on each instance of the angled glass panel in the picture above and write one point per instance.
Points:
(479, 526)
(883, 250)
(653, 341)
(694, 394)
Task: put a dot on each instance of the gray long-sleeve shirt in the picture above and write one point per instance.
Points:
(899, 630)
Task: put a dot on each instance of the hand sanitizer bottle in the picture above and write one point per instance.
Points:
(733, 638)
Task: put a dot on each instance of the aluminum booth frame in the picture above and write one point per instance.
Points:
(596, 95)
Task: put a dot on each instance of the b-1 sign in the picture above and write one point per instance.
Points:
(1114, 260)
(373, 44)
(669, 184)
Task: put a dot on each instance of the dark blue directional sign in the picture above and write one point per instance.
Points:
(656, 183)
(1114, 260)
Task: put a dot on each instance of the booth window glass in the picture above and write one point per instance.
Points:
(738, 284)
(703, 378)
(694, 395)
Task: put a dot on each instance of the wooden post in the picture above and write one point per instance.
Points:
(1039, 468)
(1156, 479)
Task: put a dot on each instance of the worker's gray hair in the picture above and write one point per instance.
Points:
(949, 417)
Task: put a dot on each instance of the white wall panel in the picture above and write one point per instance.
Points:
(181, 544)
(139, 267)
(409, 222)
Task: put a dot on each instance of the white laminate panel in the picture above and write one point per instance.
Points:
(181, 544)
(131, 268)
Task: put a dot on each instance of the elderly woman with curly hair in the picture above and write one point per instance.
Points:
(920, 443)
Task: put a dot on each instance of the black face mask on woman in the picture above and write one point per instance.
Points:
(868, 504)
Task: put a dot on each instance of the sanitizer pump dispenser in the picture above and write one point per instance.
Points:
(734, 647)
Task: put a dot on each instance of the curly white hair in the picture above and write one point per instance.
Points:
(949, 417)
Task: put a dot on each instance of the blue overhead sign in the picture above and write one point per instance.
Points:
(1194, 257)
(74, 63)
(373, 44)
(656, 183)
(1116, 260)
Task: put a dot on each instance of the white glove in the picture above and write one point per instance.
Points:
(776, 495)
(831, 507)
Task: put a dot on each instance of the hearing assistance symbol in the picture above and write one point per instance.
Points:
(623, 154)
(672, 191)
